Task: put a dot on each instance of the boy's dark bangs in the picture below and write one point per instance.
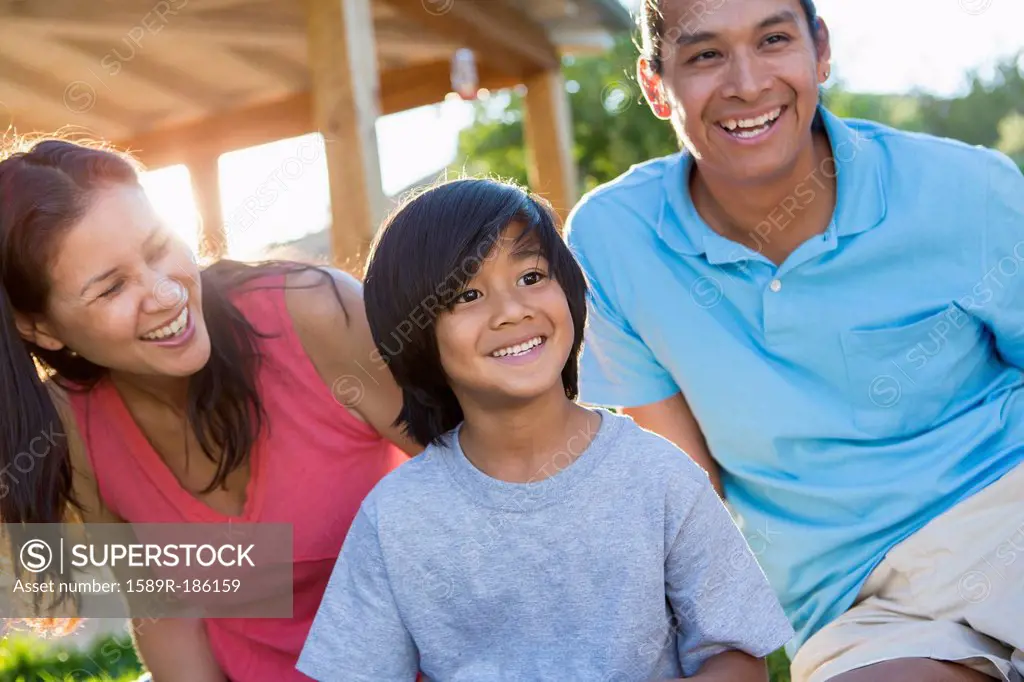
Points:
(481, 244)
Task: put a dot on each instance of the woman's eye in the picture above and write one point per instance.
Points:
(113, 290)
(531, 278)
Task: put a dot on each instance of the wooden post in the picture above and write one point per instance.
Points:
(346, 105)
(204, 173)
(548, 126)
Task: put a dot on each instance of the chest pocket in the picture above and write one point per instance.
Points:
(902, 379)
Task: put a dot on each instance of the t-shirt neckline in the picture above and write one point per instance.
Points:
(491, 492)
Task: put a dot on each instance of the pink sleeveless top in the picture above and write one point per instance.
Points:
(312, 468)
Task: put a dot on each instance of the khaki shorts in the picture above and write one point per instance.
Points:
(953, 591)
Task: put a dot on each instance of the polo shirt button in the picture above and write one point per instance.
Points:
(776, 285)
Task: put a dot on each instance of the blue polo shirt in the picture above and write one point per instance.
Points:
(855, 392)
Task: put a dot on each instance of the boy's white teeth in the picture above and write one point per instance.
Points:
(173, 329)
(751, 123)
(518, 349)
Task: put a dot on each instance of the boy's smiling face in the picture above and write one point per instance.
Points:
(509, 332)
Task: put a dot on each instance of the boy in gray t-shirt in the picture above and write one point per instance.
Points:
(533, 540)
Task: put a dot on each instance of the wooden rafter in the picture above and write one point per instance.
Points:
(292, 116)
(501, 35)
(140, 64)
(194, 19)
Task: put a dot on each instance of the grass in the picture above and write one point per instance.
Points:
(29, 660)
(114, 660)
(778, 667)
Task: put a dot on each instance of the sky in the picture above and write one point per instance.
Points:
(878, 46)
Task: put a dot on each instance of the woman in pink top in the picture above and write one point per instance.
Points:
(236, 393)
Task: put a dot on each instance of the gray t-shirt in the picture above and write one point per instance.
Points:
(622, 565)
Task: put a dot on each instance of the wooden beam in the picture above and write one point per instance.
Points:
(500, 34)
(204, 171)
(285, 70)
(222, 133)
(401, 89)
(549, 139)
(141, 22)
(346, 106)
(131, 67)
(85, 103)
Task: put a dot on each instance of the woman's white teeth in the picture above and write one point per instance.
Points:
(520, 349)
(749, 127)
(171, 330)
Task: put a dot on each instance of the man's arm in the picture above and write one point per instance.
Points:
(672, 420)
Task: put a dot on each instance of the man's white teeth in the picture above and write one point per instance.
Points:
(751, 124)
(520, 349)
(171, 330)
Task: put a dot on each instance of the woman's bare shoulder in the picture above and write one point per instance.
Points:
(83, 479)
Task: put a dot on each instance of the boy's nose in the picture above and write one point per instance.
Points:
(510, 310)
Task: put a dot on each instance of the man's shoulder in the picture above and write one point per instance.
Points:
(633, 196)
(924, 150)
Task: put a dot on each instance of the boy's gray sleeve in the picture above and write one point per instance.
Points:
(721, 598)
(358, 634)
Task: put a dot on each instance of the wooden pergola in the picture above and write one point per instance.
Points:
(185, 81)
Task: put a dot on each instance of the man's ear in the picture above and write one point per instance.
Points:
(823, 48)
(37, 332)
(654, 89)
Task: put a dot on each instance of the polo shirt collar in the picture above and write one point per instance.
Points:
(860, 200)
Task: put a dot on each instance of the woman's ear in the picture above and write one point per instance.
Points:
(37, 332)
(654, 89)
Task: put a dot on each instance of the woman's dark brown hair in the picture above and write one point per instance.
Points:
(44, 191)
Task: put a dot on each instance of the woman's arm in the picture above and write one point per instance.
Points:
(672, 419)
(339, 343)
(176, 650)
(173, 650)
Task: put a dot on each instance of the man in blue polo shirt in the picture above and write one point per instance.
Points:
(828, 315)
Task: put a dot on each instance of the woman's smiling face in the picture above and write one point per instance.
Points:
(509, 332)
(739, 82)
(126, 292)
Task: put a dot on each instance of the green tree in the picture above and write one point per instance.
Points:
(1011, 137)
(614, 128)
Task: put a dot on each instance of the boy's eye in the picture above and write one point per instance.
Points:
(467, 296)
(531, 278)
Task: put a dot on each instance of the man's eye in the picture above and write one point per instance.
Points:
(777, 39)
(704, 56)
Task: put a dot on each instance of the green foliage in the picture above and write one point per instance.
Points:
(111, 659)
(778, 667)
(614, 128)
